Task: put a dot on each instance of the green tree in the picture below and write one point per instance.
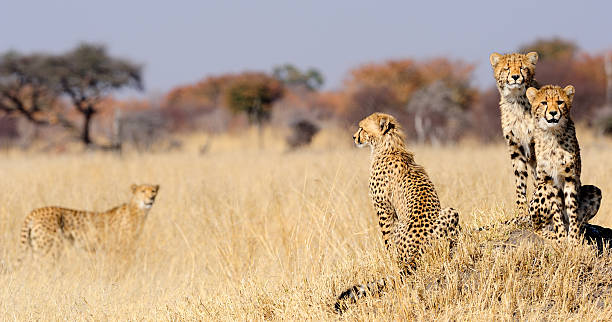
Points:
(553, 48)
(253, 94)
(88, 74)
(291, 76)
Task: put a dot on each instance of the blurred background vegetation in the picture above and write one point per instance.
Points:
(58, 99)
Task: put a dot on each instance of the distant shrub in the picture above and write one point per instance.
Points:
(302, 132)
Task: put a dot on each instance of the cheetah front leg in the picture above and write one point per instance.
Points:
(387, 218)
(519, 164)
(545, 208)
(555, 204)
(539, 206)
(570, 192)
(535, 208)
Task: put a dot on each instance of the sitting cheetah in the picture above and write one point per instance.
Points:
(405, 200)
(45, 229)
(514, 73)
(558, 169)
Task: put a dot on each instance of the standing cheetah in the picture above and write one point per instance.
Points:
(558, 187)
(404, 198)
(46, 229)
(514, 73)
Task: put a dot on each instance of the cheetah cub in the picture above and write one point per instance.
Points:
(514, 73)
(405, 200)
(46, 230)
(559, 196)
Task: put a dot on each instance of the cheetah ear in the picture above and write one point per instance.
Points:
(531, 94)
(494, 59)
(156, 187)
(533, 57)
(386, 125)
(569, 91)
(134, 187)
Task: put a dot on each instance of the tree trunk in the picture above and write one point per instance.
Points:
(117, 135)
(88, 115)
(260, 134)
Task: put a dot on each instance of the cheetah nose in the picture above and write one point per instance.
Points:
(515, 77)
(354, 137)
(552, 113)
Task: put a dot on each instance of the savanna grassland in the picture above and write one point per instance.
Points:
(241, 233)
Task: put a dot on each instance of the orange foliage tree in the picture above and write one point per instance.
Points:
(403, 77)
(205, 94)
(391, 85)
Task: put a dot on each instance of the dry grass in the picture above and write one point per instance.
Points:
(240, 234)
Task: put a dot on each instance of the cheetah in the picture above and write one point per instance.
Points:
(515, 73)
(45, 230)
(405, 200)
(558, 188)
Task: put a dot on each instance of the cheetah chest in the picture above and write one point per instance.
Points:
(554, 161)
(517, 122)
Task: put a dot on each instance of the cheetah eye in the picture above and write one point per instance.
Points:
(544, 103)
(560, 102)
(506, 68)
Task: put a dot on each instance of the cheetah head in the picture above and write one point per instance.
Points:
(513, 72)
(144, 195)
(375, 128)
(550, 105)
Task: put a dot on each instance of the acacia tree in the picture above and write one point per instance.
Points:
(310, 79)
(25, 86)
(88, 74)
(253, 94)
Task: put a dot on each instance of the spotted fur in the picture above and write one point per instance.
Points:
(514, 73)
(46, 230)
(405, 200)
(559, 197)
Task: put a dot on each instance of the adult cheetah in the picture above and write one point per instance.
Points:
(514, 73)
(558, 187)
(405, 200)
(46, 229)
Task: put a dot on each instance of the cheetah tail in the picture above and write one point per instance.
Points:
(358, 291)
(519, 221)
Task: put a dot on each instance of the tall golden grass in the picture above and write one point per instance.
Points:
(241, 233)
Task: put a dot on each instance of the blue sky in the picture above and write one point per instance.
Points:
(180, 42)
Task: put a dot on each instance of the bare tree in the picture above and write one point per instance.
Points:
(140, 129)
(439, 115)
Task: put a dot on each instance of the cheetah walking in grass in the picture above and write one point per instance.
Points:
(405, 200)
(45, 230)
